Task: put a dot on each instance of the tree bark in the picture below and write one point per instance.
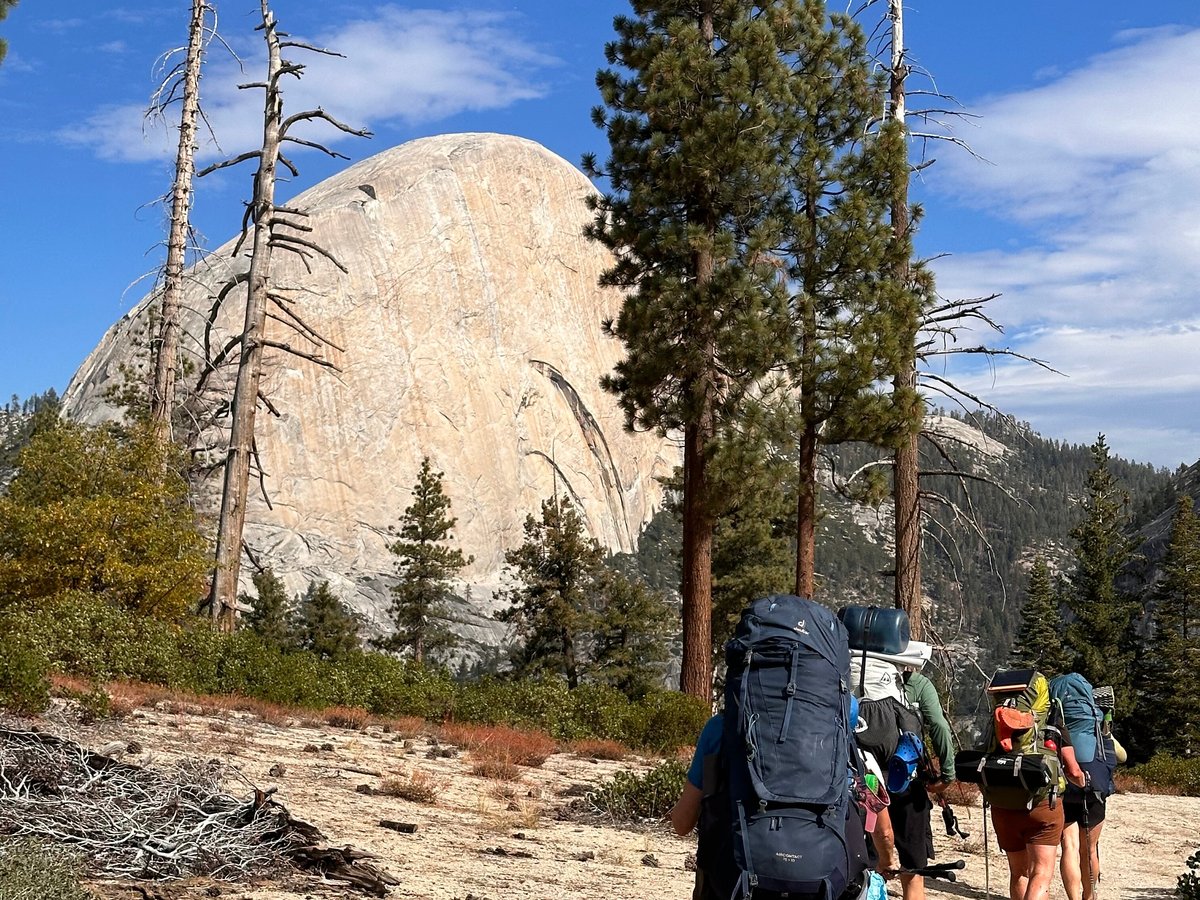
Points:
(166, 357)
(905, 486)
(245, 396)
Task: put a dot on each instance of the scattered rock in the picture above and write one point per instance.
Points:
(327, 746)
(402, 827)
(365, 789)
(501, 851)
(133, 748)
(689, 862)
(651, 860)
(586, 855)
(311, 748)
(519, 836)
(277, 771)
(213, 891)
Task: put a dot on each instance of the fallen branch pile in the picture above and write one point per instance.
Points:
(142, 823)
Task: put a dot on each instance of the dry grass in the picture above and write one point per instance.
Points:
(352, 717)
(496, 742)
(1135, 784)
(496, 770)
(416, 786)
(600, 750)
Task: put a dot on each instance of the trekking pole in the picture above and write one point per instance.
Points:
(987, 869)
(1087, 839)
(937, 870)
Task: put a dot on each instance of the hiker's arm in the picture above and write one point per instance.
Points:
(1071, 766)
(686, 812)
(884, 839)
(936, 724)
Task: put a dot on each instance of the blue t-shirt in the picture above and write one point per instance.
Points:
(708, 742)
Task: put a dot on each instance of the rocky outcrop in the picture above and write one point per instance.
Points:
(469, 329)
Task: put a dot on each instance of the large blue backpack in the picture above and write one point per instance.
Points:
(1084, 720)
(777, 823)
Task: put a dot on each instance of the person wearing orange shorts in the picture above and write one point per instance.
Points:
(1030, 837)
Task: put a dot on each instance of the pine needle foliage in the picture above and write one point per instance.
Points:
(269, 616)
(324, 625)
(1038, 644)
(1171, 691)
(425, 565)
(1101, 635)
(690, 106)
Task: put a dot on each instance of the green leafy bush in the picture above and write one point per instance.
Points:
(1173, 773)
(31, 869)
(24, 676)
(635, 798)
(1188, 886)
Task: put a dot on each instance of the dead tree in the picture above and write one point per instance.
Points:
(184, 81)
(268, 226)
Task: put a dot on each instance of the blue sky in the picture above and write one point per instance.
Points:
(1086, 214)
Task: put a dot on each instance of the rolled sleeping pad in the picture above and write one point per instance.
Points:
(876, 630)
(914, 657)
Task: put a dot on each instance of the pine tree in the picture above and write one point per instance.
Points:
(1038, 644)
(631, 640)
(689, 106)
(1171, 693)
(5, 6)
(425, 566)
(553, 607)
(841, 251)
(269, 616)
(1101, 636)
(324, 625)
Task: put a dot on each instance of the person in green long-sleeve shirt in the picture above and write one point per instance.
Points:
(911, 812)
(921, 694)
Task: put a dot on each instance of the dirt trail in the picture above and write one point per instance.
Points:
(490, 840)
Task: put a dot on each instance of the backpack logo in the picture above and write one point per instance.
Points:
(800, 627)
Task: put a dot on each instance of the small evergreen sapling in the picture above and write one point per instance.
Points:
(269, 616)
(324, 625)
(425, 564)
(1038, 643)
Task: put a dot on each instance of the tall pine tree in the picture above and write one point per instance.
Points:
(1038, 644)
(1171, 682)
(630, 647)
(425, 565)
(690, 106)
(847, 304)
(1101, 635)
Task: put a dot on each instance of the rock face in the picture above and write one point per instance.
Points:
(469, 330)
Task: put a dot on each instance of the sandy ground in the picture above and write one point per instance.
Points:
(487, 840)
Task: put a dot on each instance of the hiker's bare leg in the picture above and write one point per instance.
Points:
(1041, 870)
(1069, 865)
(1018, 873)
(913, 886)
(1090, 862)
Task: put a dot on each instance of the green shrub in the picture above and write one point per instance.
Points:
(32, 869)
(1188, 886)
(1171, 772)
(24, 676)
(664, 721)
(635, 798)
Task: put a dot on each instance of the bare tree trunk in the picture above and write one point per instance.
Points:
(806, 514)
(245, 396)
(905, 484)
(162, 395)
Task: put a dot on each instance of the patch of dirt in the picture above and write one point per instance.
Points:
(483, 839)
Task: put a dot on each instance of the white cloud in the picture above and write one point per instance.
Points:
(1101, 167)
(113, 47)
(402, 66)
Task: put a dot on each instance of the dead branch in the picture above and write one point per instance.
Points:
(288, 348)
(319, 113)
(282, 240)
(226, 163)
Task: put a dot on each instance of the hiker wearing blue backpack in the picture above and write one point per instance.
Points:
(1084, 808)
(768, 783)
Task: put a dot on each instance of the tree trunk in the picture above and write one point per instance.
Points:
(570, 663)
(162, 396)
(245, 395)
(905, 485)
(806, 514)
(695, 673)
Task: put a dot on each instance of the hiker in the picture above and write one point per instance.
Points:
(773, 815)
(899, 705)
(1020, 770)
(913, 820)
(1084, 809)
